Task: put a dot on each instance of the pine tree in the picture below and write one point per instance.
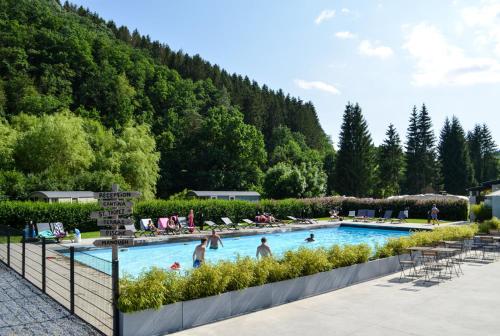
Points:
(354, 164)
(412, 173)
(491, 169)
(482, 149)
(390, 164)
(426, 152)
(456, 168)
(476, 151)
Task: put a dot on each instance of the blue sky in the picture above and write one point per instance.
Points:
(385, 55)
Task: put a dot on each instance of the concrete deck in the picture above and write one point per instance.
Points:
(466, 305)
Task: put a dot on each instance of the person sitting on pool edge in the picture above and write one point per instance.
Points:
(263, 250)
(199, 253)
(214, 240)
(310, 239)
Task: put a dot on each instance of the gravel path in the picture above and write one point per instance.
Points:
(25, 310)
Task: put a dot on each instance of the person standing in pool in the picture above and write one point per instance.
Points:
(263, 250)
(199, 253)
(310, 239)
(214, 240)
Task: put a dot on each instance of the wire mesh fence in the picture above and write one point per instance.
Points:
(80, 282)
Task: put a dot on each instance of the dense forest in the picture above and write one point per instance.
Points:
(84, 103)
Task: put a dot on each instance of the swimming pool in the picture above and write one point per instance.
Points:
(134, 260)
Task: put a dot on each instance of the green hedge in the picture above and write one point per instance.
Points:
(450, 208)
(157, 287)
(17, 214)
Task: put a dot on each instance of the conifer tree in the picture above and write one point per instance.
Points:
(354, 165)
(412, 175)
(426, 153)
(390, 164)
(456, 168)
(491, 169)
(482, 149)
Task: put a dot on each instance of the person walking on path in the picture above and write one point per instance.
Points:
(434, 214)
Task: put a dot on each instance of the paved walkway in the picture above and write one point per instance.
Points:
(25, 310)
(466, 306)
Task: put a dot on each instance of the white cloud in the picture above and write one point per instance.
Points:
(344, 35)
(485, 21)
(326, 14)
(368, 48)
(316, 85)
(345, 10)
(439, 62)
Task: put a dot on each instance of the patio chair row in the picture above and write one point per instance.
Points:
(366, 215)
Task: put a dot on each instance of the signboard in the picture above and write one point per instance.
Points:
(114, 195)
(114, 242)
(110, 213)
(114, 221)
(115, 204)
(118, 233)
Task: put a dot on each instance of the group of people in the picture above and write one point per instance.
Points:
(173, 223)
(213, 241)
(265, 218)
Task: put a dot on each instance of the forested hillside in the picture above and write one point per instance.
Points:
(84, 104)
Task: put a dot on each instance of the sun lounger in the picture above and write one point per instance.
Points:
(387, 216)
(58, 230)
(229, 223)
(164, 227)
(214, 226)
(402, 216)
(45, 231)
(369, 215)
(185, 225)
(361, 215)
(130, 227)
(250, 222)
(296, 220)
(145, 227)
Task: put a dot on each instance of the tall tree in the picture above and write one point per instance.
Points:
(427, 152)
(390, 164)
(482, 149)
(420, 155)
(412, 185)
(457, 172)
(355, 160)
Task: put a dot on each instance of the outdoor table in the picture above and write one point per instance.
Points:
(419, 248)
(452, 242)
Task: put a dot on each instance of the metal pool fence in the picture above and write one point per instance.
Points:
(85, 291)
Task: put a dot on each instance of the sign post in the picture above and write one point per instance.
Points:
(116, 204)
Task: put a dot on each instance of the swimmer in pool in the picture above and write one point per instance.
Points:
(214, 240)
(310, 239)
(199, 253)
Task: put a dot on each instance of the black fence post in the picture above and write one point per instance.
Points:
(24, 259)
(72, 278)
(115, 289)
(8, 247)
(43, 265)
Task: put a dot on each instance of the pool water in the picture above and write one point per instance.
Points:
(134, 260)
